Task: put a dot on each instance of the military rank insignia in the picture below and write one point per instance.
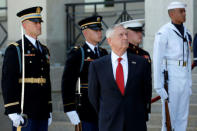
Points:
(88, 59)
(48, 58)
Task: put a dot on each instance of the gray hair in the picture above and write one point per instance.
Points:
(110, 30)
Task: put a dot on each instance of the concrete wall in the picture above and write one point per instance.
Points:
(56, 28)
(195, 16)
(158, 16)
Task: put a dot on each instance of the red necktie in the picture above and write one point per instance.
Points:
(120, 76)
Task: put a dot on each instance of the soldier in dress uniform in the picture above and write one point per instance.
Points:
(76, 66)
(135, 32)
(37, 90)
(172, 53)
(135, 35)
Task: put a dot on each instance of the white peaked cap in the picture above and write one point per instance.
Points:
(133, 23)
(176, 4)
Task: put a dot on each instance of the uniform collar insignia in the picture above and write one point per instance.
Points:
(88, 50)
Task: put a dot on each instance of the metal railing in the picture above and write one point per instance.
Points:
(73, 32)
(3, 30)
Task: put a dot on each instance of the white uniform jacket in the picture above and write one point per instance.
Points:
(168, 46)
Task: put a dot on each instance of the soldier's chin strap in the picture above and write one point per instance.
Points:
(23, 82)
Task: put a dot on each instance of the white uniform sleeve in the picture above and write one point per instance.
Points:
(160, 44)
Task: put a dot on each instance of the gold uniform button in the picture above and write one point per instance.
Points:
(30, 61)
(41, 60)
(42, 69)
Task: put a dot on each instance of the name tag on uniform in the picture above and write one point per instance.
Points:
(89, 59)
(29, 54)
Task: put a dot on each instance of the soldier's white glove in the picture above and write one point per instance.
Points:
(162, 92)
(50, 119)
(73, 116)
(148, 116)
(16, 119)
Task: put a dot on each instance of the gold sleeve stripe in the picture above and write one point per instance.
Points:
(69, 104)
(84, 87)
(11, 104)
(50, 102)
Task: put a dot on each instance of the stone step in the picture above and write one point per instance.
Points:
(61, 126)
(156, 119)
(194, 78)
(156, 108)
(60, 116)
(158, 128)
(66, 126)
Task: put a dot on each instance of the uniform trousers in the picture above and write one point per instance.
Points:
(89, 126)
(179, 89)
(34, 125)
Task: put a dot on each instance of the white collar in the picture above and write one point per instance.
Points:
(91, 46)
(31, 39)
(114, 57)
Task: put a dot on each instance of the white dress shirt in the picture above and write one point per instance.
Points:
(32, 40)
(92, 46)
(124, 63)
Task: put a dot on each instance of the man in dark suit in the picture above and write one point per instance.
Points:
(117, 84)
(77, 65)
(37, 90)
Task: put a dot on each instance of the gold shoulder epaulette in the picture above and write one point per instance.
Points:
(77, 46)
(13, 43)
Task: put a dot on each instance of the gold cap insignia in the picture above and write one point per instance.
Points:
(38, 10)
(98, 19)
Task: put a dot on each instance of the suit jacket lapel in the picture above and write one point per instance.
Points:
(131, 70)
(109, 69)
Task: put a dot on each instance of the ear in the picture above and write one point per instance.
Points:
(109, 41)
(84, 32)
(24, 25)
(171, 13)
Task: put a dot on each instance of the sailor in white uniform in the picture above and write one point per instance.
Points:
(172, 53)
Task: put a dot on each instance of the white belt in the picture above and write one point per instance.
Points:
(195, 58)
(175, 62)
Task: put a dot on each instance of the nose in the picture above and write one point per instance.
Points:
(125, 36)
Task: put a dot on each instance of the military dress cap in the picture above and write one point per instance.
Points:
(93, 22)
(176, 4)
(32, 14)
(136, 25)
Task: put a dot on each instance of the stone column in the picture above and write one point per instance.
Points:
(156, 15)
